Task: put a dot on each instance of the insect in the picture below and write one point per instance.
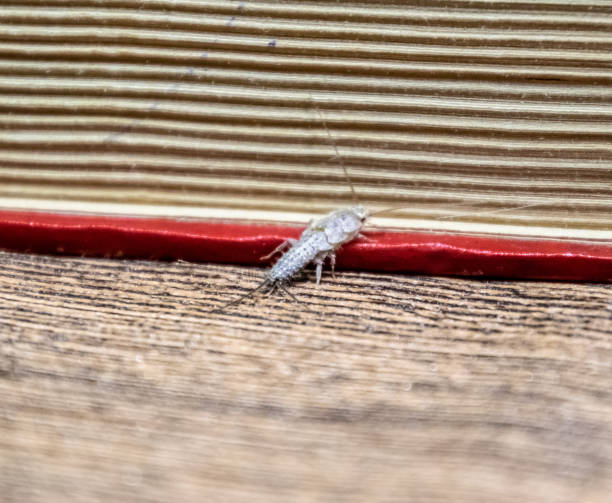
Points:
(318, 242)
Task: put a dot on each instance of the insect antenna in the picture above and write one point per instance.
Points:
(261, 285)
(286, 290)
(338, 156)
(385, 210)
(467, 214)
(490, 212)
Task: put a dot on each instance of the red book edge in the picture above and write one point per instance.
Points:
(224, 242)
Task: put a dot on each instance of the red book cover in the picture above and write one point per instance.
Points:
(225, 242)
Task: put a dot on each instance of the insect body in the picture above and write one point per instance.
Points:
(318, 242)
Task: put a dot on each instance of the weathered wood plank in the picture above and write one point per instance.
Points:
(117, 383)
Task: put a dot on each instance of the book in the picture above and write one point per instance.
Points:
(471, 120)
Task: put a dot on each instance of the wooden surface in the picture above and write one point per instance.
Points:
(118, 384)
(484, 116)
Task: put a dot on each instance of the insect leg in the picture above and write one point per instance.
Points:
(319, 263)
(289, 243)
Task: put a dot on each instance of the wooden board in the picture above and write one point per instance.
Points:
(118, 384)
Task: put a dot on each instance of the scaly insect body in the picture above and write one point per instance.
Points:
(318, 242)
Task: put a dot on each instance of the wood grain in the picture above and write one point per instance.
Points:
(475, 116)
(118, 384)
